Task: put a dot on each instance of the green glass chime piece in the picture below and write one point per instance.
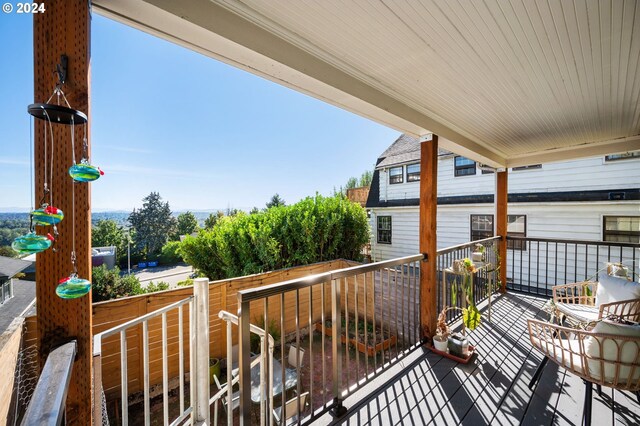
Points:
(47, 215)
(85, 172)
(73, 287)
(31, 243)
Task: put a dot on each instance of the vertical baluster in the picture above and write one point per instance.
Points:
(124, 391)
(268, 372)
(229, 375)
(366, 327)
(395, 305)
(165, 371)
(145, 371)
(336, 316)
(586, 260)
(283, 397)
(322, 318)
(357, 333)
(192, 352)
(299, 381)
(402, 310)
(575, 263)
(346, 331)
(181, 358)
(373, 312)
(310, 357)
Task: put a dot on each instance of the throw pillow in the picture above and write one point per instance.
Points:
(602, 353)
(616, 289)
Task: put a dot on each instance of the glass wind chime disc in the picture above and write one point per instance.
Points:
(73, 287)
(47, 215)
(31, 243)
(85, 172)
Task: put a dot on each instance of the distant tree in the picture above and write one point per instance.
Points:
(254, 210)
(187, 224)
(7, 251)
(232, 212)
(153, 223)
(213, 218)
(366, 178)
(351, 183)
(275, 201)
(107, 233)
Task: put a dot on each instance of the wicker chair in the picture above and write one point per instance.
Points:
(577, 303)
(605, 359)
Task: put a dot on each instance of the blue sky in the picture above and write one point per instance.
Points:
(203, 134)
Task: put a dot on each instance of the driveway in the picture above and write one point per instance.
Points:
(171, 275)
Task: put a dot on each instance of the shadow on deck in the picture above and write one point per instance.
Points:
(492, 389)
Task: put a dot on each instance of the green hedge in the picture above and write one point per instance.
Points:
(314, 230)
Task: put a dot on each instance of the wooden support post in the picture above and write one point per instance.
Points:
(501, 224)
(428, 239)
(64, 28)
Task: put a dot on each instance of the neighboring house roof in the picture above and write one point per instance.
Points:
(406, 148)
(21, 304)
(10, 266)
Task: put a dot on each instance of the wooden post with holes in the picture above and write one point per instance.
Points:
(501, 224)
(428, 238)
(64, 28)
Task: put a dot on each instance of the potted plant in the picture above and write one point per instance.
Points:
(441, 339)
(478, 254)
(214, 368)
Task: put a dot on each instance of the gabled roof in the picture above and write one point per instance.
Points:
(9, 266)
(405, 149)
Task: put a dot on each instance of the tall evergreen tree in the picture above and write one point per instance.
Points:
(153, 223)
(187, 224)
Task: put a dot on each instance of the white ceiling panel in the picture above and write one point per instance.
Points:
(504, 82)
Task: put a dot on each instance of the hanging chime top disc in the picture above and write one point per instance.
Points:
(57, 113)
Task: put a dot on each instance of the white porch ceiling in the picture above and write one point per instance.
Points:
(507, 83)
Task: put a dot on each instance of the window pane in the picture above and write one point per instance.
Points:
(622, 229)
(463, 161)
(395, 175)
(413, 168)
(623, 156)
(516, 224)
(384, 229)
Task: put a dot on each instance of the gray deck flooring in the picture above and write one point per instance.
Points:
(490, 390)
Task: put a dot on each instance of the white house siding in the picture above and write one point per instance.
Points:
(578, 175)
(565, 220)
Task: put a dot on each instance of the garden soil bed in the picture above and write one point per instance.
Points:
(369, 349)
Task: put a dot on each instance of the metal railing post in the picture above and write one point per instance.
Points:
(338, 409)
(201, 307)
(244, 362)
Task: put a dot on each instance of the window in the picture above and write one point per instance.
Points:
(464, 166)
(486, 170)
(623, 156)
(532, 166)
(413, 172)
(384, 229)
(395, 175)
(481, 226)
(621, 229)
(517, 227)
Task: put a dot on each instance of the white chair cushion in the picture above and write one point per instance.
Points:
(616, 289)
(629, 352)
(577, 312)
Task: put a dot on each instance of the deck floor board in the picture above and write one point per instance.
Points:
(493, 389)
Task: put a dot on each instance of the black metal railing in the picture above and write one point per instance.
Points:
(47, 406)
(535, 265)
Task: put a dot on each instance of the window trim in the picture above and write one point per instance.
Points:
(604, 228)
(401, 175)
(471, 226)
(411, 176)
(456, 169)
(385, 230)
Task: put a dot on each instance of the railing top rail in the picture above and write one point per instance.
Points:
(97, 339)
(465, 245)
(48, 401)
(567, 241)
(300, 283)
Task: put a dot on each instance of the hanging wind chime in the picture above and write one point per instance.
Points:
(70, 287)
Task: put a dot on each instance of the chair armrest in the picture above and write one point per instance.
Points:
(583, 293)
(625, 309)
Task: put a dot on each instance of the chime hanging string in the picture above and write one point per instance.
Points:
(31, 160)
(73, 203)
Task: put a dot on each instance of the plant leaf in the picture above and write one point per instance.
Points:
(471, 317)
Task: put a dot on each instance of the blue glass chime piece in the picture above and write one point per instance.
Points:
(73, 287)
(32, 243)
(47, 215)
(85, 172)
